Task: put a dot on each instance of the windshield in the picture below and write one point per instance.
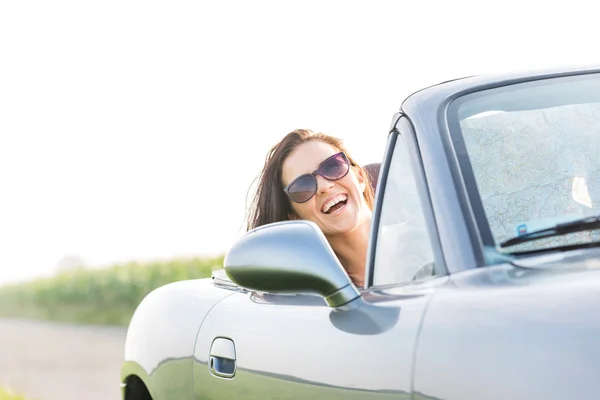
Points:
(534, 151)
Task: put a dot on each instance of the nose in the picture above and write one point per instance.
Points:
(323, 185)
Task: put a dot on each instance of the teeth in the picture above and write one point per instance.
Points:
(333, 202)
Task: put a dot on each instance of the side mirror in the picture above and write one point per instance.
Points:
(289, 257)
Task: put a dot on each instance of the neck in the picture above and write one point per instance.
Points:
(351, 250)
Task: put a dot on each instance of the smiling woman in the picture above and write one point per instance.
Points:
(312, 176)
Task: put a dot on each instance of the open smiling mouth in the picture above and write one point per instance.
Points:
(335, 204)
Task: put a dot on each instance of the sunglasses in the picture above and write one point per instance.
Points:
(304, 187)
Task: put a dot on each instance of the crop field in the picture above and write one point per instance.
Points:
(105, 296)
(6, 394)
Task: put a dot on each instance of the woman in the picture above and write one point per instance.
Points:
(337, 196)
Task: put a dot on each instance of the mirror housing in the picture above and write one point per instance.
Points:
(289, 257)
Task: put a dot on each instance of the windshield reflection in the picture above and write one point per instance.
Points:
(533, 149)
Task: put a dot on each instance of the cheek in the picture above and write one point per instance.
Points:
(361, 186)
(352, 183)
(304, 209)
(360, 182)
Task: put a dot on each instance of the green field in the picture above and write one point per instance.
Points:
(105, 296)
(6, 394)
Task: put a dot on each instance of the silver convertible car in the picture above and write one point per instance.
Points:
(482, 280)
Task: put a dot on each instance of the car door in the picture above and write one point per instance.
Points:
(296, 347)
(267, 346)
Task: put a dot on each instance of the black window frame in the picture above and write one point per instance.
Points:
(403, 127)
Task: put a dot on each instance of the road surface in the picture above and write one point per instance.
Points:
(53, 361)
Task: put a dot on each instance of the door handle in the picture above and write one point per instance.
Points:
(222, 358)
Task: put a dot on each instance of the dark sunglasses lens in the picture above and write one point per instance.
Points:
(303, 189)
(335, 168)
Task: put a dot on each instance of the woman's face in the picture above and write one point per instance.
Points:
(352, 209)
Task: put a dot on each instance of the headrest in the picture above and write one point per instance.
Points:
(373, 171)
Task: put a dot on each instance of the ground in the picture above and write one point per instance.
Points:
(51, 361)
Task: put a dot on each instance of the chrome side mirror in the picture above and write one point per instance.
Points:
(289, 257)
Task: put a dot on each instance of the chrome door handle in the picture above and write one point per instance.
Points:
(222, 358)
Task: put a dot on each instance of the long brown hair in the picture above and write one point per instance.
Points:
(270, 204)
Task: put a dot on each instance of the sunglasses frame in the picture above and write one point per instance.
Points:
(318, 172)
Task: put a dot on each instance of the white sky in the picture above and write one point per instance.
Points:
(133, 130)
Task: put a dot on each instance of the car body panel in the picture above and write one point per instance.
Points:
(432, 98)
(514, 332)
(317, 352)
(161, 336)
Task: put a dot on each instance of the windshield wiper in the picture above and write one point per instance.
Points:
(578, 225)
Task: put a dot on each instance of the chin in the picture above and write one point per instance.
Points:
(341, 227)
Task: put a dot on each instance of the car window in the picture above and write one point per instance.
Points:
(403, 246)
(533, 148)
